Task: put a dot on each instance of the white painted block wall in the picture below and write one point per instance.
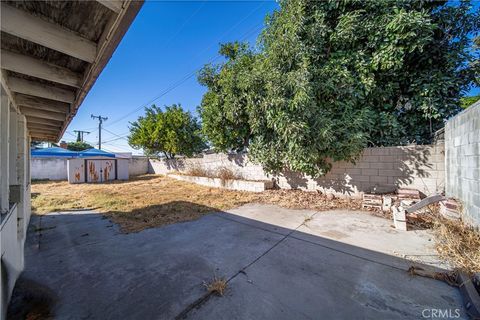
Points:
(462, 161)
(138, 166)
(419, 167)
(49, 168)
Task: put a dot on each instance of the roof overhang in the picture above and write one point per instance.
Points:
(52, 52)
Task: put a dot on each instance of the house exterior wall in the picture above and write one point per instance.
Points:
(14, 196)
(49, 168)
(385, 169)
(462, 160)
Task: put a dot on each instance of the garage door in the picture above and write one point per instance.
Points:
(100, 170)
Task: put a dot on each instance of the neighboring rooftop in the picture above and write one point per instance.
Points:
(60, 152)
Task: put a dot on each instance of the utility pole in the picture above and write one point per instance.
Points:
(100, 121)
(80, 134)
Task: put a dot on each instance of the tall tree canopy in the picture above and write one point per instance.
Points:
(224, 108)
(332, 77)
(78, 146)
(466, 102)
(169, 133)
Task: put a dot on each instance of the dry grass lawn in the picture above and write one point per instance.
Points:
(151, 200)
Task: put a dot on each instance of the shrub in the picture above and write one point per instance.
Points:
(225, 174)
(198, 171)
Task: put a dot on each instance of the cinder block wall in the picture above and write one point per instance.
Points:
(138, 165)
(48, 168)
(462, 146)
(419, 167)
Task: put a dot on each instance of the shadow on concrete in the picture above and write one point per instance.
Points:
(274, 271)
(31, 300)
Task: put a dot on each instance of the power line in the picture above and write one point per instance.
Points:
(71, 133)
(188, 75)
(100, 121)
(163, 93)
(115, 134)
(119, 136)
(117, 143)
(80, 134)
(165, 46)
(229, 30)
(124, 150)
(115, 139)
(181, 81)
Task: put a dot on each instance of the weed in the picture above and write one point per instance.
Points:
(307, 219)
(458, 244)
(198, 171)
(217, 286)
(225, 174)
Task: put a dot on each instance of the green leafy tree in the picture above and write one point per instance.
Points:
(35, 144)
(78, 146)
(231, 92)
(170, 132)
(466, 102)
(332, 77)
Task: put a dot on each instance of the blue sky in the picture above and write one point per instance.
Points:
(165, 46)
(167, 42)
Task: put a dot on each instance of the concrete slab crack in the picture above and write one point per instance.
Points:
(200, 301)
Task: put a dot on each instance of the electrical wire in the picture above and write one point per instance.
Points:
(122, 135)
(167, 44)
(229, 30)
(183, 79)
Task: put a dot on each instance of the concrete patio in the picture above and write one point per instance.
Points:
(280, 264)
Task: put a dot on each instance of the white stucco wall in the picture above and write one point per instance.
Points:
(14, 196)
(48, 168)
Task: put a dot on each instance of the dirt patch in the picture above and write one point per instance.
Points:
(297, 199)
(31, 301)
(151, 200)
